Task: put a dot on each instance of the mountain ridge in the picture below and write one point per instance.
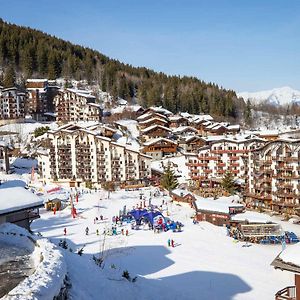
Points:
(281, 96)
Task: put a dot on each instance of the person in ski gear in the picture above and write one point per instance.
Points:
(87, 231)
(65, 231)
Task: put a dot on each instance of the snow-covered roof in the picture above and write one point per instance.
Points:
(151, 114)
(186, 114)
(161, 110)
(267, 132)
(291, 255)
(82, 93)
(176, 118)
(134, 108)
(181, 192)
(152, 120)
(121, 101)
(51, 114)
(181, 129)
(251, 217)
(17, 198)
(201, 118)
(234, 127)
(155, 126)
(95, 105)
(37, 80)
(221, 205)
(156, 140)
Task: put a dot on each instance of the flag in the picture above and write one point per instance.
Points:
(32, 174)
(283, 244)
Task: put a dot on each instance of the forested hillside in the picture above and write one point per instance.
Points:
(32, 53)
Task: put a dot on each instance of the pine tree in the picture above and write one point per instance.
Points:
(169, 180)
(228, 183)
(9, 77)
(247, 112)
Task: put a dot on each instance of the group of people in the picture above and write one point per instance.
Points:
(97, 219)
(171, 243)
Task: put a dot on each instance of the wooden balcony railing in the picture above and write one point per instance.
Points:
(288, 293)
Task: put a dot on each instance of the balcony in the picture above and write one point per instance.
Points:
(288, 293)
(233, 158)
(203, 157)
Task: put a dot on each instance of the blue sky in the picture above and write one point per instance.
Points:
(245, 45)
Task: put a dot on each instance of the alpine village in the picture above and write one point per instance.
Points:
(121, 182)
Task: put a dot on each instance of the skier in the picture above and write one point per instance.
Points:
(54, 210)
(169, 243)
(97, 231)
(101, 218)
(172, 243)
(87, 231)
(122, 231)
(65, 231)
(126, 232)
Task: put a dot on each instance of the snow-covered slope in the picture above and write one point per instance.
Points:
(278, 96)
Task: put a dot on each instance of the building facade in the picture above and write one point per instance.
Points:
(78, 156)
(72, 105)
(274, 176)
(211, 162)
(12, 103)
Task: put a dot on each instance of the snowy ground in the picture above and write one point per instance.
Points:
(205, 264)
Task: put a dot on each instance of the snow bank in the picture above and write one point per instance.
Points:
(50, 267)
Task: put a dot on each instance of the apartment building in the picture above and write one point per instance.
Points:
(211, 162)
(274, 176)
(73, 105)
(36, 104)
(80, 155)
(12, 103)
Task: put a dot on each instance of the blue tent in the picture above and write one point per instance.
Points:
(143, 213)
(150, 216)
(137, 213)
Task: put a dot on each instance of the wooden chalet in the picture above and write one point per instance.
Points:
(178, 121)
(155, 131)
(234, 129)
(191, 143)
(150, 115)
(160, 147)
(217, 212)
(153, 121)
(216, 129)
(184, 131)
(181, 195)
(269, 135)
(108, 131)
(201, 126)
(158, 109)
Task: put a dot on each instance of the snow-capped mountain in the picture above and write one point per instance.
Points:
(278, 96)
